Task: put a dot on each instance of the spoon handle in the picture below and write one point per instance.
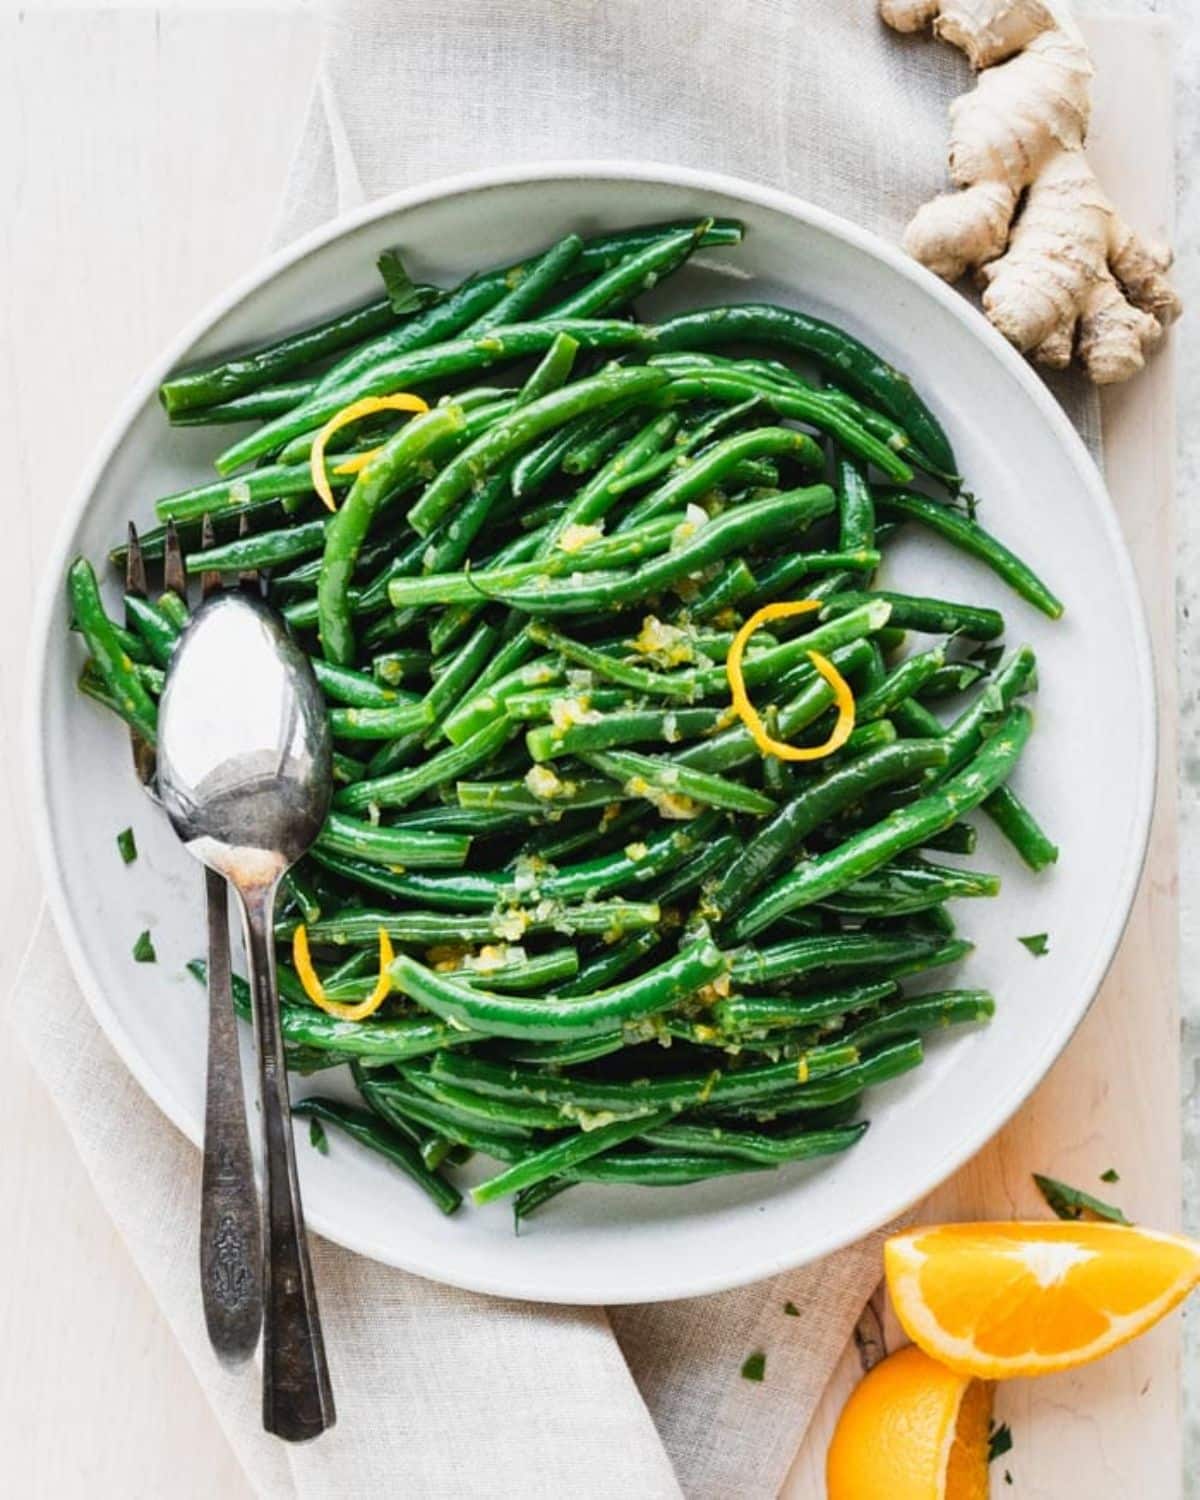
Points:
(297, 1396)
(230, 1237)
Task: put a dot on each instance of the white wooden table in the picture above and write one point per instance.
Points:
(140, 166)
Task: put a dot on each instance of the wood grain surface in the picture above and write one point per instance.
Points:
(140, 170)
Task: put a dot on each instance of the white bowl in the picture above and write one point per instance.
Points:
(1088, 771)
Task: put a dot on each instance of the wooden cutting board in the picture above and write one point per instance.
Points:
(1113, 1099)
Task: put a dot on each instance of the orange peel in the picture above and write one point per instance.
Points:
(366, 407)
(843, 698)
(315, 990)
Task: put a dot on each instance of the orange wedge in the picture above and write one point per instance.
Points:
(911, 1430)
(1001, 1300)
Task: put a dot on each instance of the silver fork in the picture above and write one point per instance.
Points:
(230, 1229)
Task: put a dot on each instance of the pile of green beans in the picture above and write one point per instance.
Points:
(631, 947)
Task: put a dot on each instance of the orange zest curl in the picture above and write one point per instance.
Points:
(402, 401)
(315, 990)
(843, 698)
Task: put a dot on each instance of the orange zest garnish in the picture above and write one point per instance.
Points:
(315, 990)
(843, 698)
(402, 401)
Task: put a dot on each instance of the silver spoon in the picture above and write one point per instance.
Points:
(244, 772)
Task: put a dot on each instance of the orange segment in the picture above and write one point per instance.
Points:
(911, 1430)
(1001, 1300)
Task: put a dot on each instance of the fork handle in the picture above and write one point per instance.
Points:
(297, 1396)
(230, 1234)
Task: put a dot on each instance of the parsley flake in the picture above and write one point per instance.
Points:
(755, 1367)
(1072, 1203)
(404, 295)
(317, 1137)
(126, 847)
(1112, 1175)
(791, 1309)
(1000, 1441)
(1038, 943)
(143, 950)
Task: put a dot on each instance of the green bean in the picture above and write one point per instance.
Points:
(514, 433)
(826, 874)
(550, 1018)
(968, 732)
(598, 496)
(890, 1061)
(768, 1150)
(116, 669)
(398, 1102)
(717, 463)
(159, 634)
(935, 616)
(797, 404)
(835, 349)
(898, 889)
(761, 1013)
(392, 846)
(391, 668)
(424, 366)
(401, 787)
(559, 1157)
(639, 272)
(655, 1169)
(634, 726)
(970, 537)
(591, 449)
(1021, 828)
(426, 928)
(672, 787)
(553, 370)
(904, 681)
(726, 533)
(378, 1137)
(388, 723)
(541, 277)
(605, 967)
(356, 689)
(516, 796)
(925, 1013)
(485, 889)
(856, 507)
(254, 406)
(346, 531)
(583, 1098)
(230, 378)
(820, 801)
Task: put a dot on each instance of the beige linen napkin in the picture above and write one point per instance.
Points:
(444, 1395)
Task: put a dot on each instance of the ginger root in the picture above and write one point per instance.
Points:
(1069, 276)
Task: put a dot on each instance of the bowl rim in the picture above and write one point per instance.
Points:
(689, 1280)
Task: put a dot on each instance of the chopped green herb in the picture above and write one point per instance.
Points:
(1112, 1175)
(317, 1137)
(1038, 943)
(791, 1309)
(999, 1441)
(755, 1367)
(1007, 1477)
(1071, 1203)
(143, 950)
(126, 847)
(401, 291)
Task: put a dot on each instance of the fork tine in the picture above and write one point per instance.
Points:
(135, 566)
(210, 580)
(174, 571)
(249, 578)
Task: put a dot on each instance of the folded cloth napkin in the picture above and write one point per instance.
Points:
(441, 1394)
